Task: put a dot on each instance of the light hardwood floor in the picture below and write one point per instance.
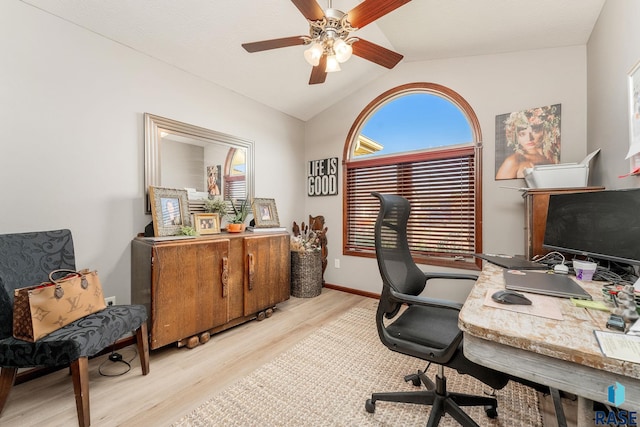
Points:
(180, 379)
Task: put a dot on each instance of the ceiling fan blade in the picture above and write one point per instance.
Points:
(375, 53)
(310, 9)
(370, 10)
(318, 73)
(273, 44)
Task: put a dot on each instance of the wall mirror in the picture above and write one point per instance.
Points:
(208, 164)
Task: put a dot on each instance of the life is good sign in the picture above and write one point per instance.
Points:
(322, 177)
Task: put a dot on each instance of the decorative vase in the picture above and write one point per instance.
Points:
(306, 274)
(235, 228)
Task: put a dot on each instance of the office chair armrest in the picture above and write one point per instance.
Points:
(425, 301)
(450, 276)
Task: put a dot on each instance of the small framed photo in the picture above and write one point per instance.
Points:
(265, 213)
(169, 210)
(207, 223)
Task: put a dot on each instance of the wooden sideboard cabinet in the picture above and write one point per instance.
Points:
(536, 202)
(207, 284)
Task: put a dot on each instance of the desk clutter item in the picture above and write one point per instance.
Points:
(594, 305)
(510, 297)
(610, 289)
(619, 346)
(584, 269)
(41, 309)
(616, 323)
(634, 329)
(625, 303)
(556, 285)
(541, 305)
(515, 262)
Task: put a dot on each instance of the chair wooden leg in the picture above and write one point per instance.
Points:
(142, 338)
(7, 378)
(80, 375)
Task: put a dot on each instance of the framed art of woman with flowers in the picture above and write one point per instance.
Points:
(527, 138)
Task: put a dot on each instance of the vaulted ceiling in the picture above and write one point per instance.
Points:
(204, 37)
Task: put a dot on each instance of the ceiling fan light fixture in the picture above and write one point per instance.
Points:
(313, 54)
(330, 40)
(343, 50)
(332, 64)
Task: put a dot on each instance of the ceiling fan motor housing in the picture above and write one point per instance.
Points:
(332, 26)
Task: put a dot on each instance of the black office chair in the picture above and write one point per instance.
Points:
(427, 328)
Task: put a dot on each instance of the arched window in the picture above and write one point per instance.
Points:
(235, 186)
(421, 141)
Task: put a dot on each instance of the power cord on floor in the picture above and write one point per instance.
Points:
(116, 361)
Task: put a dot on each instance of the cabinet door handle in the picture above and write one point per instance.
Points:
(251, 271)
(225, 275)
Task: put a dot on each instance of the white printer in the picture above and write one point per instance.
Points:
(562, 175)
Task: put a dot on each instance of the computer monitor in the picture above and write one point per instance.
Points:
(603, 225)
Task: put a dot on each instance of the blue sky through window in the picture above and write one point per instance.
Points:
(417, 121)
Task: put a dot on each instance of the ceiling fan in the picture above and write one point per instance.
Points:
(330, 36)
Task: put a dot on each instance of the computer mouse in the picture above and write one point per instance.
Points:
(510, 297)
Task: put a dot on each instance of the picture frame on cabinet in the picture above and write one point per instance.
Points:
(169, 210)
(206, 223)
(265, 213)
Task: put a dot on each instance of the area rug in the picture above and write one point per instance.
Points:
(325, 379)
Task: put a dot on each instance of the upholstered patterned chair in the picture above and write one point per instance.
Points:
(26, 259)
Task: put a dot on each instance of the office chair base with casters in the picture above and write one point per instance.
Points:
(441, 401)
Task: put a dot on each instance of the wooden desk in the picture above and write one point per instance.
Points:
(563, 354)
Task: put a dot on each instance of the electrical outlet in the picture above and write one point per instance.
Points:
(110, 301)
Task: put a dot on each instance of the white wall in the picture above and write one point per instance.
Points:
(493, 85)
(613, 49)
(71, 154)
(71, 151)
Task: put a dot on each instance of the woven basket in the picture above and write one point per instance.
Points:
(306, 274)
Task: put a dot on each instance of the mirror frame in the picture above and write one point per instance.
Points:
(152, 149)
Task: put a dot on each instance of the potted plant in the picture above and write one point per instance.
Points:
(187, 230)
(237, 216)
(216, 205)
